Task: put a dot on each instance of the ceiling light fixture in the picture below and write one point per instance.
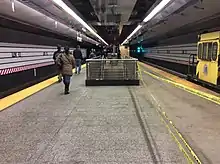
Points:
(135, 30)
(155, 11)
(13, 5)
(55, 24)
(74, 15)
(84, 29)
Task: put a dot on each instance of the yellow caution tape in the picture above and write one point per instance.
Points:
(165, 119)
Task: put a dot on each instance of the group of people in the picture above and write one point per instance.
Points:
(65, 62)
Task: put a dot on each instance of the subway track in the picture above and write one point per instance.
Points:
(185, 111)
(184, 76)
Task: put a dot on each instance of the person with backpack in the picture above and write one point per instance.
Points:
(66, 64)
(78, 58)
(55, 57)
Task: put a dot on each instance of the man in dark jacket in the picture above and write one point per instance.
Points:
(66, 64)
(55, 56)
(78, 59)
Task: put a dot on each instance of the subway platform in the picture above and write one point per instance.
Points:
(110, 124)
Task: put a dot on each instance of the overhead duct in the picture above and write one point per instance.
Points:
(27, 15)
(184, 18)
(55, 12)
(175, 7)
(153, 18)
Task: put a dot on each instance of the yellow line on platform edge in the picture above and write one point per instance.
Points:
(164, 118)
(21, 95)
(204, 95)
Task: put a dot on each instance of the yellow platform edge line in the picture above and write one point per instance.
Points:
(204, 95)
(196, 92)
(23, 94)
(164, 119)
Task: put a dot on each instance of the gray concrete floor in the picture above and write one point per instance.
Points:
(91, 125)
(196, 118)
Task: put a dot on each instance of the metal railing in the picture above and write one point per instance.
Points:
(111, 71)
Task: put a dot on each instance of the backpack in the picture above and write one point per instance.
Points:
(56, 55)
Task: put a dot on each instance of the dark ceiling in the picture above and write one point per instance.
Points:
(140, 9)
(85, 8)
(191, 31)
(110, 33)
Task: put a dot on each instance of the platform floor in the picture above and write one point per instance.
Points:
(197, 119)
(117, 124)
(91, 125)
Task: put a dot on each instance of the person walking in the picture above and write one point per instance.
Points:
(78, 58)
(66, 63)
(55, 56)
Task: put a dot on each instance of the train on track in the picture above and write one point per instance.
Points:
(207, 60)
(199, 61)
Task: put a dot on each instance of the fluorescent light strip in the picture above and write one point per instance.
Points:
(13, 5)
(135, 30)
(74, 15)
(156, 10)
(56, 23)
(124, 42)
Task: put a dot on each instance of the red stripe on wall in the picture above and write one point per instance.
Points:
(7, 71)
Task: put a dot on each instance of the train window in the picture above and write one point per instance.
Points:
(204, 51)
(214, 51)
(209, 56)
(218, 60)
(200, 51)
